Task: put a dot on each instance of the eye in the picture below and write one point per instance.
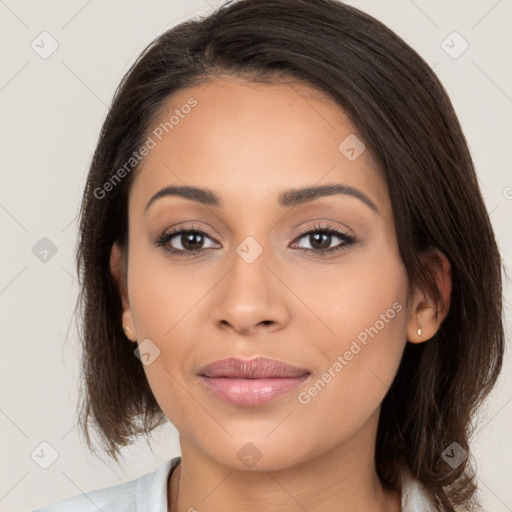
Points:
(320, 238)
(190, 238)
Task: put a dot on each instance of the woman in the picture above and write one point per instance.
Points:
(274, 257)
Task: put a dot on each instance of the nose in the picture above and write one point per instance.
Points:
(252, 299)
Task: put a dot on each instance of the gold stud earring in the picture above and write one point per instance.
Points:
(420, 332)
(127, 330)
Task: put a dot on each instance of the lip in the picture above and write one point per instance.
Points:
(251, 382)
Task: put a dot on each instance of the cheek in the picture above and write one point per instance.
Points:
(366, 316)
(164, 304)
(161, 294)
(346, 300)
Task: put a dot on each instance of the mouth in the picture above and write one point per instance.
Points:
(251, 382)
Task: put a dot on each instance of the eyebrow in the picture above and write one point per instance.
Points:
(290, 198)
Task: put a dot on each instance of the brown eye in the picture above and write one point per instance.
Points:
(320, 239)
(185, 241)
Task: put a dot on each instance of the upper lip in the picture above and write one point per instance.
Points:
(257, 368)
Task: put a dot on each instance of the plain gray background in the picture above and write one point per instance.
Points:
(52, 109)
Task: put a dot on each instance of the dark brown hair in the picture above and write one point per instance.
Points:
(405, 117)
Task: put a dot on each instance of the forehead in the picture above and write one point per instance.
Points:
(249, 141)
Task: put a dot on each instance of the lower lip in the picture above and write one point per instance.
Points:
(251, 392)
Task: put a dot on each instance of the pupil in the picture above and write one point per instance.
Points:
(192, 241)
(317, 240)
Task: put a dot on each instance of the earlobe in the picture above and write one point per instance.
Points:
(117, 268)
(128, 331)
(425, 316)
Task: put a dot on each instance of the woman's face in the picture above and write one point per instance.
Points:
(249, 291)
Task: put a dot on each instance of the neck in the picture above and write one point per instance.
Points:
(342, 479)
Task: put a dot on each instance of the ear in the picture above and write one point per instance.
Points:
(423, 313)
(119, 272)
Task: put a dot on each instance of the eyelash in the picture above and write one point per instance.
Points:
(317, 228)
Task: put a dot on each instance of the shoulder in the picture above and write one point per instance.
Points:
(147, 492)
(416, 499)
(414, 495)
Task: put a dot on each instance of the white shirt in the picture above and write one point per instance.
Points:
(148, 493)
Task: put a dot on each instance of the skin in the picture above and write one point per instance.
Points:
(249, 142)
